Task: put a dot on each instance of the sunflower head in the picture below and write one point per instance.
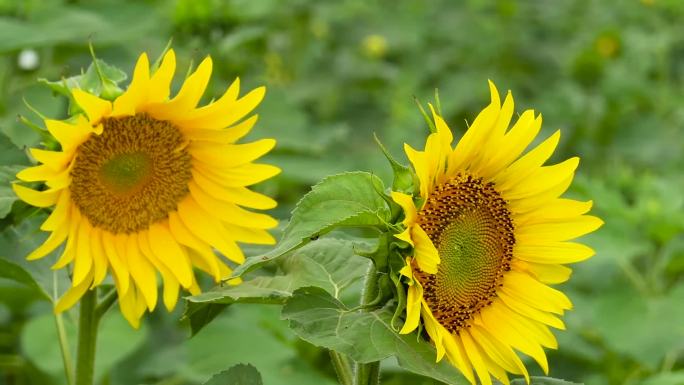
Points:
(489, 232)
(149, 185)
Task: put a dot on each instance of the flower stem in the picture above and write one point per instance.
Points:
(63, 339)
(342, 368)
(368, 373)
(64, 348)
(87, 337)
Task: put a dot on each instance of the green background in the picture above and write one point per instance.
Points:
(610, 75)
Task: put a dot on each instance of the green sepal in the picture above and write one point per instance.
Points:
(428, 120)
(404, 178)
(100, 79)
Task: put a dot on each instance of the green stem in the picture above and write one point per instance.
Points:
(105, 304)
(64, 348)
(87, 337)
(368, 373)
(342, 368)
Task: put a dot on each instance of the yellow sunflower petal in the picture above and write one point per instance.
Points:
(44, 198)
(457, 356)
(37, 173)
(83, 261)
(556, 209)
(515, 141)
(72, 295)
(238, 195)
(240, 176)
(553, 252)
(97, 251)
(69, 135)
(558, 231)
(140, 268)
(60, 214)
(136, 94)
(53, 241)
(531, 312)
(185, 237)
(526, 165)
(542, 179)
(69, 252)
(230, 155)
(534, 293)
(475, 358)
(56, 160)
(435, 331)
(93, 106)
(407, 205)
(540, 200)
(220, 106)
(471, 142)
(494, 321)
(413, 305)
(188, 96)
(128, 303)
(170, 283)
(545, 273)
(226, 136)
(206, 227)
(229, 212)
(218, 115)
(424, 251)
(421, 166)
(172, 255)
(500, 353)
(160, 82)
(116, 261)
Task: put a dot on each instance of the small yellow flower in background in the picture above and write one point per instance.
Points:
(375, 46)
(150, 184)
(491, 232)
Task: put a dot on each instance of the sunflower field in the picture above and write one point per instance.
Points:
(354, 192)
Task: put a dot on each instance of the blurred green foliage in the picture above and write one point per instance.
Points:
(610, 75)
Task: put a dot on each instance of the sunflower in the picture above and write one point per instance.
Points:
(150, 184)
(489, 232)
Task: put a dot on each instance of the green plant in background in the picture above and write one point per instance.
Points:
(606, 74)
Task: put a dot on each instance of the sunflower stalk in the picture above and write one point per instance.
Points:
(342, 368)
(87, 337)
(368, 373)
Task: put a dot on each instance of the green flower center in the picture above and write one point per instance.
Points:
(132, 175)
(124, 172)
(470, 226)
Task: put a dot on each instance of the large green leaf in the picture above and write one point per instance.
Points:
(324, 321)
(242, 334)
(348, 199)
(327, 263)
(237, 375)
(115, 340)
(7, 196)
(16, 242)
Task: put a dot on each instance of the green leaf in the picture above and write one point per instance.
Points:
(7, 196)
(17, 241)
(327, 263)
(115, 340)
(240, 374)
(403, 179)
(543, 381)
(16, 273)
(322, 320)
(348, 199)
